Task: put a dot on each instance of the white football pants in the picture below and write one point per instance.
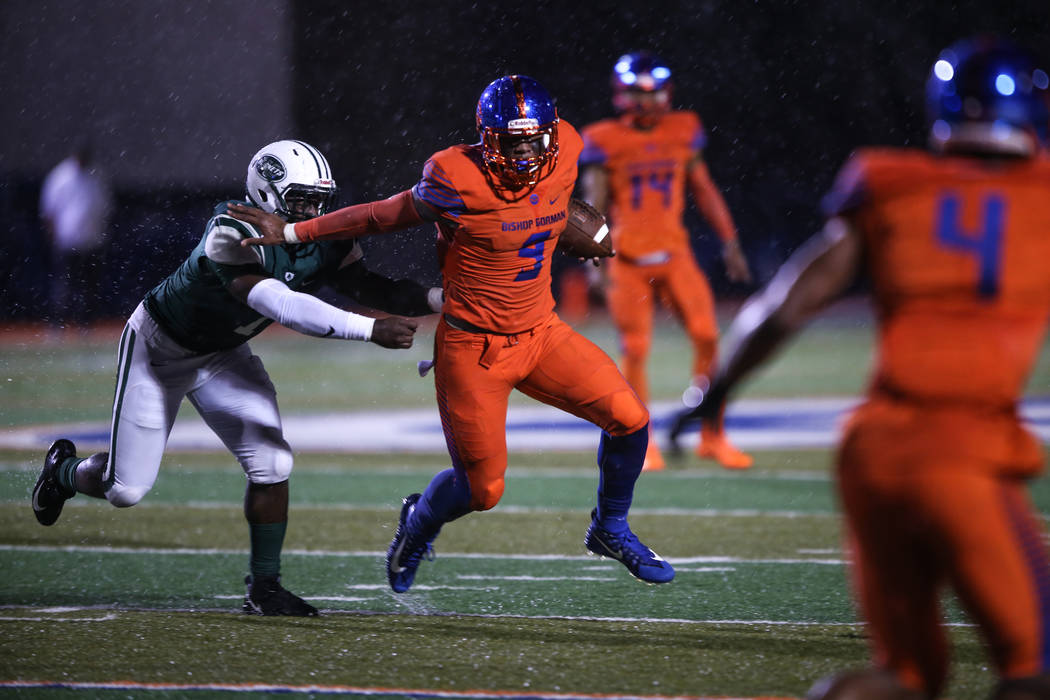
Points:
(230, 390)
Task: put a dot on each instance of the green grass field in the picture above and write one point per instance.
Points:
(144, 602)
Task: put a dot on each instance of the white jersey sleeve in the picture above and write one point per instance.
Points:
(223, 244)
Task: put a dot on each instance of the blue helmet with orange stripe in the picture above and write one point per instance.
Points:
(518, 125)
(987, 95)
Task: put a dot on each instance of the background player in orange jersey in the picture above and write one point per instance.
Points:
(636, 168)
(500, 206)
(932, 467)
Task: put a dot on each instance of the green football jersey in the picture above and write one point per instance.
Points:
(192, 304)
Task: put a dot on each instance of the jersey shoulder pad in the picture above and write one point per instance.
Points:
(599, 141)
(449, 176)
(570, 143)
(223, 241)
(686, 125)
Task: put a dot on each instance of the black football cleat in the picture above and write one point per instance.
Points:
(48, 496)
(266, 596)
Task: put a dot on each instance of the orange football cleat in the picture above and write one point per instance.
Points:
(654, 461)
(716, 446)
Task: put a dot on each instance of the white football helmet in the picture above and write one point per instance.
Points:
(291, 179)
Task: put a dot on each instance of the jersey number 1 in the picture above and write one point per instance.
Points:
(985, 244)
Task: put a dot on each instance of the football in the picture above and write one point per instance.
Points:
(586, 234)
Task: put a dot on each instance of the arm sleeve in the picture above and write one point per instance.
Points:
(391, 214)
(401, 297)
(226, 258)
(306, 313)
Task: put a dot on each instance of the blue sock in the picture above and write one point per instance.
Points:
(446, 498)
(620, 461)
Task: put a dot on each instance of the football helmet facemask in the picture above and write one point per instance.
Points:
(986, 95)
(291, 179)
(641, 83)
(518, 125)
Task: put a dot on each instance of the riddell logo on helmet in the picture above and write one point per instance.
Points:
(270, 168)
(515, 124)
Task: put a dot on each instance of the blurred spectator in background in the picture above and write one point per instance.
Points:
(636, 168)
(75, 203)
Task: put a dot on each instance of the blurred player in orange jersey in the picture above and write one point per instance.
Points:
(500, 206)
(636, 168)
(932, 467)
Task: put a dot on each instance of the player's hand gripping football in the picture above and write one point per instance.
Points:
(394, 332)
(270, 226)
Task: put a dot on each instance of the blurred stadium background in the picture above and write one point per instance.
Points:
(177, 96)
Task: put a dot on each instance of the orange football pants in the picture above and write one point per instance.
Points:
(475, 373)
(920, 519)
(682, 287)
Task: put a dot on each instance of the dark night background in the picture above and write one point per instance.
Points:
(177, 96)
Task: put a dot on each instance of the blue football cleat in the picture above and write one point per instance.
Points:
(625, 547)
(407, 550)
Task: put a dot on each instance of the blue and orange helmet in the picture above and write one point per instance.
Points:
(987, 95)
(512, 110)
(641, 83)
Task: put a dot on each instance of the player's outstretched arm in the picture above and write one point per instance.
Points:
(392, 214)
(403, 297)
(812, 278)
(309, 315)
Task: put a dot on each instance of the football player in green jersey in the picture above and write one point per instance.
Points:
(188, 338)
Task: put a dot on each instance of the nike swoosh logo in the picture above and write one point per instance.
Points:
(554, 200)
(331, 331)
(395, 561)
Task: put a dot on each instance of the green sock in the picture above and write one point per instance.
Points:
(267, 541)
(66, 475)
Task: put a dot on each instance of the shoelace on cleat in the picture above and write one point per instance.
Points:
(414, 552)
(633, 551)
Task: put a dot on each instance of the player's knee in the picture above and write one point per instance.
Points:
(486, 496)
(629, 414)
(125, 495)
(269, 465)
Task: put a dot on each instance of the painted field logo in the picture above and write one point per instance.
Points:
(270, 168)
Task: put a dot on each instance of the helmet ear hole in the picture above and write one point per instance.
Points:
(262, 195)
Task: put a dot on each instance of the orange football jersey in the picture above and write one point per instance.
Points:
(647, 176)
(958, 252)
(496, 254)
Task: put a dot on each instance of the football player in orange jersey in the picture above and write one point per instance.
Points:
(932, 467)
(636, 168)
(500, 206)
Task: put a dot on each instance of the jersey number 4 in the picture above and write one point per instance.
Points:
(985, 244)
